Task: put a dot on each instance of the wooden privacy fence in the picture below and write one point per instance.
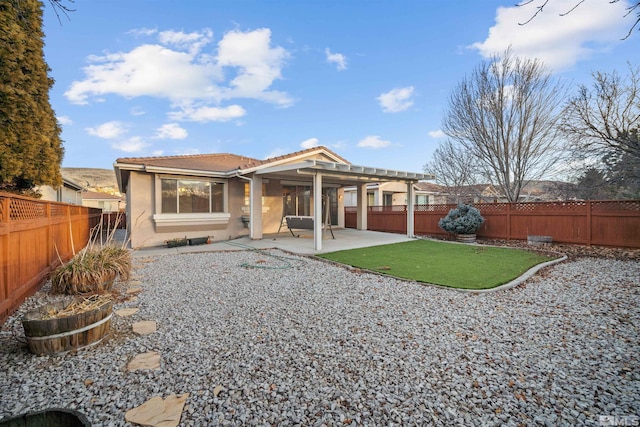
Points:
(111, 220)
(606, 223)
(34, 236)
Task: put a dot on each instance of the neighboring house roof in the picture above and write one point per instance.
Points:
(71, 184)
(227, 165)
(94, 195)
(429, 187)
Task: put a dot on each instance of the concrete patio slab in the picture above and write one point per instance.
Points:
(344, 239)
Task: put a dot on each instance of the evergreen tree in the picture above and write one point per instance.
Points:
(30, 145)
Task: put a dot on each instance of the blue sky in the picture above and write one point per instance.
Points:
(368, 79)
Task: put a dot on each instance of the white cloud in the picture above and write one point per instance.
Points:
(208, 114)
(559, 41)
(436, 134)
(257, 64)
(108, 130)
(157, 153)
(143, 31)
(64, 120)
(396, 100)
(171, 131)
(132, 145)
(336, 58)
(310, 143)
(177, 69)
(373, 141)
(192, 42)
(187, 151)
(137, 111)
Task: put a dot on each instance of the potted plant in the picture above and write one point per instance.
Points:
(92, 270)
(84, 320)
(463, 221)
(178, 241)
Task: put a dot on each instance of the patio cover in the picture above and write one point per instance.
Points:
(341, 173)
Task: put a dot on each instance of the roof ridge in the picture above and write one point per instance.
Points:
(305, 151)
(182, 156)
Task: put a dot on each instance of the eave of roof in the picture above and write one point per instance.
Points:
(347, 170)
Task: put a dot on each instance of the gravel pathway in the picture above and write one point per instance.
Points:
(298, 341)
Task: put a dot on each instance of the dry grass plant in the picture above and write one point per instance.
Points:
(80, 305)
(94, 269)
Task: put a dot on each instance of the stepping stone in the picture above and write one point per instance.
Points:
(124, 312)
(135, 282)
(148, 360)
(157, 412)
(136, 290)
(144, 327)
(132, 298)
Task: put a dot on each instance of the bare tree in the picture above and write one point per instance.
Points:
(454, 167)
(506, 114)
(540, 5)
(604, 120)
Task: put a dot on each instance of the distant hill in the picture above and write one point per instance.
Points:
(100, 180)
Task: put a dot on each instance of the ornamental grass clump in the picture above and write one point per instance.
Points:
(464, 219)
(92, 270)
(95, 268)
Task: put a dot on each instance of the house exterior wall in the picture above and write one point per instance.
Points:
(63, 194)
(106, 205)
(143, 204)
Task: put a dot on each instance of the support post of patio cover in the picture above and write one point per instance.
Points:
(256, 207)
(361, 213)
(317, 211)
(410, 210)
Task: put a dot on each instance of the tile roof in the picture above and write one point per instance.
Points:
(218, 162)
(206, 162)
(93, 195)
(429, 186)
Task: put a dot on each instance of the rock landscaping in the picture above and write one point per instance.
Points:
(246, 338)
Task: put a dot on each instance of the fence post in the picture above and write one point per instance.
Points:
(5, 218)
(508, 221)
(589, 223)
(49, 236)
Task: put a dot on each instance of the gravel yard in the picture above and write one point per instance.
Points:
(297, 341)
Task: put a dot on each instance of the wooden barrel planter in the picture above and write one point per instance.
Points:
(48, 418)
(466, 238)
(62, 334)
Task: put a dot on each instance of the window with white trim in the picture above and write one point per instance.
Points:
(187, 196)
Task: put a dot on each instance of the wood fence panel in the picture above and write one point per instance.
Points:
(615, 224)
(426, 219)
(35, 236)
(565, 222)
(496, 220)
(350, 217)
(392, 219)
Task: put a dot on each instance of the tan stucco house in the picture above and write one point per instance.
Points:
(395, 193)
(106, 202)
(68, 192)
(225, 196)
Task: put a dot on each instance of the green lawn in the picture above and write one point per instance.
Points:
(443, 263)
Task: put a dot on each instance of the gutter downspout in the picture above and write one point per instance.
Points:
(237, 175)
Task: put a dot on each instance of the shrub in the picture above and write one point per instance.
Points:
(92, 270)
(464, 219)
